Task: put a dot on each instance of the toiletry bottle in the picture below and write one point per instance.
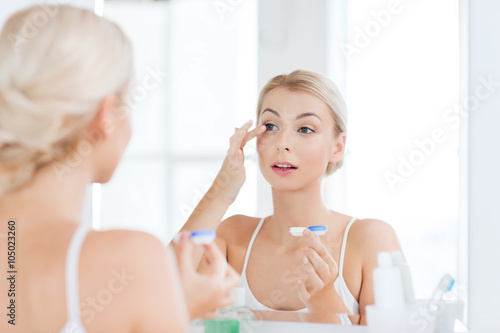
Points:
(388, 314)
(388, 287)
(232, 319)
(238, 310)
(222, 325)
(397, 259)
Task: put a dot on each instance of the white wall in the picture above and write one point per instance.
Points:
(181, 127)
(484, 165)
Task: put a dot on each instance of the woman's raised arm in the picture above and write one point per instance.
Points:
(211, 209)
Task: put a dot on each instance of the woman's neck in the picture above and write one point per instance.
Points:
(301, 208)
(47, 199)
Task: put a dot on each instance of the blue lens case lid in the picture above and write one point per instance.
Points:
(318, 228)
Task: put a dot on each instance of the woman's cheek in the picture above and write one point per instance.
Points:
(314, 154)
(263, 143)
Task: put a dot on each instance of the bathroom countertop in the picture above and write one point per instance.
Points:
(266, 326)
(291, 322)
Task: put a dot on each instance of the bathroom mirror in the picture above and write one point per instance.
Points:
(200, 65)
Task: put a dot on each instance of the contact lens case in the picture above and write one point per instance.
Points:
(319, 230)
(200, 237)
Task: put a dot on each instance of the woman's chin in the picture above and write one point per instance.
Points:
(290, 185)
(104, 177)
(286, 186)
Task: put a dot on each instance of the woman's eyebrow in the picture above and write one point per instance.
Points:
(300, 116)
(307, 114)
(272, 111)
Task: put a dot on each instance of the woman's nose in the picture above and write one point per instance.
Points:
(283, 143)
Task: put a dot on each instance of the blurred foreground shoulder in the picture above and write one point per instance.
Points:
(132, 246)
(154, 295)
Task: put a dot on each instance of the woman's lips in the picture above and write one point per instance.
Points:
(283, 168)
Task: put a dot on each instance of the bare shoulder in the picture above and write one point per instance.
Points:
(237, 227)
(140, 264)
(369, 237)
(372, 228)
(126, 244)
(234, 235)
(373, 236)
(124, 250)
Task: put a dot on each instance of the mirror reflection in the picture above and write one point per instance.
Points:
(200, 68)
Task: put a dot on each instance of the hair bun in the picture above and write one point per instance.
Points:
(27, 137)
(51, 87)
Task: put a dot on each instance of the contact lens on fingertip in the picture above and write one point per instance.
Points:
(319, 230)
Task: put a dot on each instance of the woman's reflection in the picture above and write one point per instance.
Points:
(301, 135)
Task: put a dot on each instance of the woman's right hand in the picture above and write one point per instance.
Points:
(231, 176)
(205, 292)
(211, 209)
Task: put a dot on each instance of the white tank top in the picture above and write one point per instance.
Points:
(339, 284)
(74, 321)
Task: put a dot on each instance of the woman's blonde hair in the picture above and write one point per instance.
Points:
(321, 87)
(57, 64)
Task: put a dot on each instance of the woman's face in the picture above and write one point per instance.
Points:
(299, 140)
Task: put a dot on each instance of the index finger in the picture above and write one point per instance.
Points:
(316, 244)
(253, 133)
(238, 138)
(216, 259)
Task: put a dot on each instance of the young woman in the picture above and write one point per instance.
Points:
(301, 138)
(64, 125)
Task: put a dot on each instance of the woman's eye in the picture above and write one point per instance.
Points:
(270, 127)
(305, 130)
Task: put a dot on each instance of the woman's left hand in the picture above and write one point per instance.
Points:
(316, 291)
(205, 292)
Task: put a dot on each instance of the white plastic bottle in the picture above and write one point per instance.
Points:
(387, 283)
(397, 259)
(388, 313)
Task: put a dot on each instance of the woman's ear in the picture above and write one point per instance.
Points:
(338, 148)
(104, 120)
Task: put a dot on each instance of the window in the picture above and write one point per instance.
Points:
(194, 52)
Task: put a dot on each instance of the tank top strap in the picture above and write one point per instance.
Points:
(249, 248)
(342, 250)
(72, 285)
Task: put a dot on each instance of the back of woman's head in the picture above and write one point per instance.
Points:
(56, 66)
(318, 85)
